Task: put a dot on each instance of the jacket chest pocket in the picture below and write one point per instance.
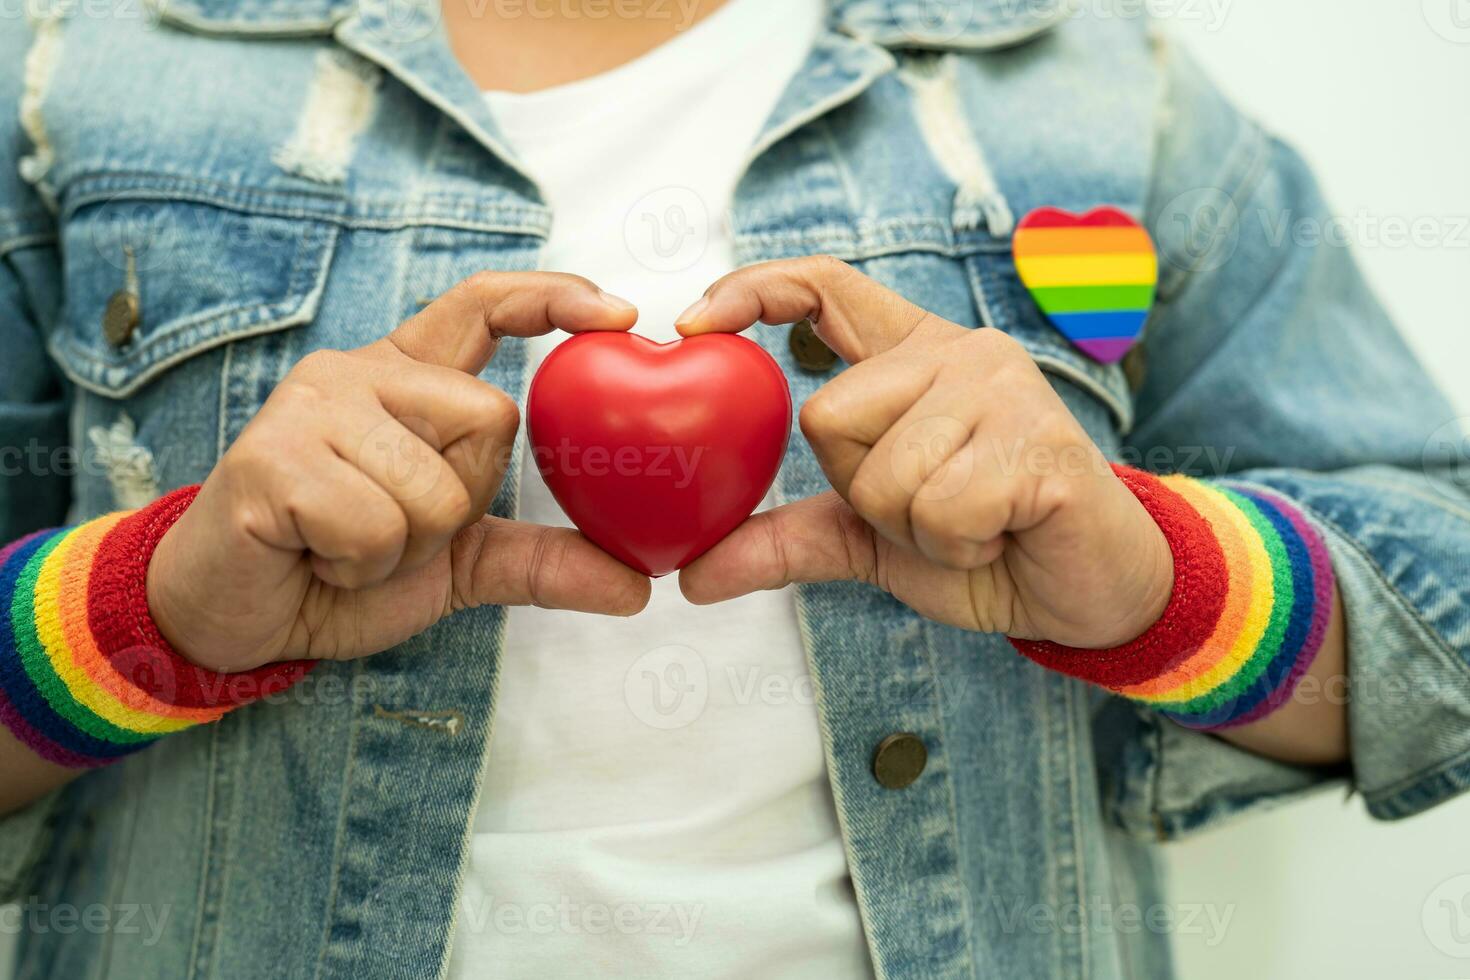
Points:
(151, 283)
(158, 293)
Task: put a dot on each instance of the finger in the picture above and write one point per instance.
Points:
(461, 328)
(501, 562)
(914, 458)
(354, 532)
(854, 315)
(434, 502)
(453, 403)
(481, 463)
(846, 416)
(472, 423)
(961, 523)
(818, 539)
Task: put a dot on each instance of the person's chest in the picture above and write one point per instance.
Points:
(338, 195)
(228, 204)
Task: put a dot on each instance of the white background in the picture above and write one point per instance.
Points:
(1376, 96)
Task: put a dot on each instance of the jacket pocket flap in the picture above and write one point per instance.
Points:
(151, 283)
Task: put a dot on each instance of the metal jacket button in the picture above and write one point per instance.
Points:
(121, 317)
(808, 349)
(899, 759)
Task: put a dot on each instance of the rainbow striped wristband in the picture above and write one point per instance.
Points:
(1253, 593)
(85, 676)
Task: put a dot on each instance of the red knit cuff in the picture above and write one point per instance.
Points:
(1201, 581)
(125, 633)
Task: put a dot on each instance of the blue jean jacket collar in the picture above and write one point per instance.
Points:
(405, 38)
(406, 42)
(973, 25)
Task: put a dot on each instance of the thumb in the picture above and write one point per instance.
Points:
(819, 539)
(511, 563)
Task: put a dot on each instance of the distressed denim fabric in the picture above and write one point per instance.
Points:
(277, 176)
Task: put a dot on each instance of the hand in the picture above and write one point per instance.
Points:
(350, 513)
(964, 486)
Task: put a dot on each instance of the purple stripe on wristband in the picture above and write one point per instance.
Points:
(40, 744)
(1324, 583)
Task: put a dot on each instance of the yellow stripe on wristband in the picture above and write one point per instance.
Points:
(1239, 631)
(61, 623)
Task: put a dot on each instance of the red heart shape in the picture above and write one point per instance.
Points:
(657, 451)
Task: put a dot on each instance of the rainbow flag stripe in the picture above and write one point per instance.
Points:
(1093, 275)
(85, 677)
(1253, 594)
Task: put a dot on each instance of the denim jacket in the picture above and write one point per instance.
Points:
(194, 195)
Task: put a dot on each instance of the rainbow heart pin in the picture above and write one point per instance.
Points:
(1093, 275)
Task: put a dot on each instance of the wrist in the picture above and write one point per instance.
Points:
(1153, 573)
(1251, 598)
(160, 579)
(86, 676)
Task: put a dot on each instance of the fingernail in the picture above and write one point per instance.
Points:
(614, 302)
(692, 314)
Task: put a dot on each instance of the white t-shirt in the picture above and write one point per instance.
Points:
(655, 802)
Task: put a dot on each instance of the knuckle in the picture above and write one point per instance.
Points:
(954, 374)
(379, 538)
(496, 411)
(545, 564)
(952, 539)
(484, 283)
(862, 545)
(869, 498)
(995, 338)
(325, 363)
(1018, 374)
(567, 280)
(934, 519)
(998, 346)
(243, 521)
(251, 454)
(828, 267)
(984, 517)
(1058, 430)
(261, 453)
(820, 418)
(301, 395)
(1056, 493)
(487, 292)
(447, 509)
